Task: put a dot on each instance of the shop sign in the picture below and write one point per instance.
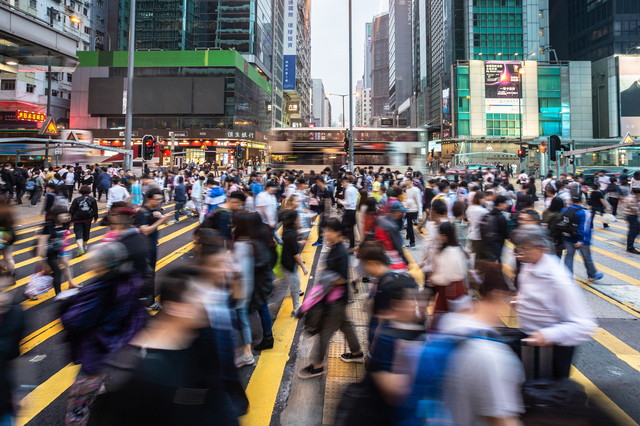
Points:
(30, 116)
(293, 108)
(237, 134)
(258, 145)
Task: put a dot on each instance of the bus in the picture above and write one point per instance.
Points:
(315, 148)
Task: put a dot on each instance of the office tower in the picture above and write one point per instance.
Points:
(367, 55)
(317, 102)
(380, 66)
(591, 31)
(278, 61)
(400, 53)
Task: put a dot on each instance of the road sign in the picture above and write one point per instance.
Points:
(49, 127)
(57, 151)
(627, 138)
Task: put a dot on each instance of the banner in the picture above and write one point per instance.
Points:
(290, 45)
(502, 87)
(629, 94)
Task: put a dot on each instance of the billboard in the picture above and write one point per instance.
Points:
(368, 29)
(290, 45)
(629, 77)
(502, 87)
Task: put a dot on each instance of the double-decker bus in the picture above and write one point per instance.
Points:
(315, 148)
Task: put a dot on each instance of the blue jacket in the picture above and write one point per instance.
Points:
(180, 193)
(256, 188)
(585, 224)
(104, 181)
(214, 198)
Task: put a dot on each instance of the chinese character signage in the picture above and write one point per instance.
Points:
(293, 108)
(290, 44)
(502, 87)
(30, 116)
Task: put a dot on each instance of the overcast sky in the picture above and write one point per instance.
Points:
(330, 45)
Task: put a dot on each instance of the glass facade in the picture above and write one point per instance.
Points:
(166, 24)
(497, 29)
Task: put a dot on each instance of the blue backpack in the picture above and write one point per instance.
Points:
(425, 405)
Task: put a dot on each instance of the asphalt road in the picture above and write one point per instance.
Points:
(609, 366)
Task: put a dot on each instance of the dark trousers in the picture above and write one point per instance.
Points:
(320, 212)
(614, 205)
(19, 193)
(634, 229)
(411, 217)
(496, 250)
(148, 290)
(52, 261)
(265, 319)
(35, 195)
(69, 192)
(82, 230)
(102, 191)
(348, 222)
(335, 319)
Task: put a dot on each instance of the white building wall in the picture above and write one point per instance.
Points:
(530, 116)
(580, 102)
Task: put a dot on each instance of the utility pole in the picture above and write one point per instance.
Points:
(351, 144)
(128, 161)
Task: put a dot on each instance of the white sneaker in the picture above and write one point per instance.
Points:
(241, 361)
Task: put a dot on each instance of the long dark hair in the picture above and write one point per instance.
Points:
(448, 230)
(557, 204)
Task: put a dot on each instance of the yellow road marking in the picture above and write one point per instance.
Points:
(604, 240)
(605, 402)
(611, 272)
(264, 384)
(39, 398)
(623, 351)
(613, 234)
(628, 308)
(39, 336)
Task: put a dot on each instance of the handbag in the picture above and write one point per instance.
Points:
(38, 284)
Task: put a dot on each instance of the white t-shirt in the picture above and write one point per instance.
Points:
(475, 215)
(264, 199)
(604, 181)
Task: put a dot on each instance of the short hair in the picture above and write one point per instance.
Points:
(177, 282)
(152, 193)
(180, 179)
(85, 189)
(443, 185)
(20, 164)
(373, 251)
(531, 236)
(477, 197)
(500, 199)
(459, 208)
(271, 184)
(438, 206)
(115, 180)
(238, 195)
(333, 224)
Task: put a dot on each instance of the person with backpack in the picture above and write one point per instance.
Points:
(35, 186)
(221, 220)
(630, 210)
(335, 313)
(493, 228)
(550, 219)
(83, 210)
(598, 202)
(51, 246)
(576, 226)
(20, 176)
(387, 230)
(465, 374)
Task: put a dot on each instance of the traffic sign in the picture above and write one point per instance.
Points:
(57, 151)
(627, 139)
(49, 127)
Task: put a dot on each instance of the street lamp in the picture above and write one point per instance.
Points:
(344, 119)
(520, 72)
(632, 48)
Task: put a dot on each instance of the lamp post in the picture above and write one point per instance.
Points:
(350, 89)
(128, 161)
(632, 48)
(521, 97)
(344, 119)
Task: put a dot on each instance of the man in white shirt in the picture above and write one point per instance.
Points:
(523, 178)
(69, 182)
(349, 203)
(267, 206)
(550, 306)
(291, 187)
(413, 204)
(603, 180)
(117, 192)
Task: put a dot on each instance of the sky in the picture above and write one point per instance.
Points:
(330, 45)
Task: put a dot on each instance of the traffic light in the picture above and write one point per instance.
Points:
(148, 147)
(345, 140)
(520, 153)
(554, 147)
(240, 150)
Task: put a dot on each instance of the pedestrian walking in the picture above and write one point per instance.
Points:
(52, 248)
(630, 210)
(117, 193)
(579, 222)
(83, 210)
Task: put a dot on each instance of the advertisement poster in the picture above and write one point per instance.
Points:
(290, 45)
(502, 87)
(630, 95)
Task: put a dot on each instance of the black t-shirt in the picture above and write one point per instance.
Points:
(56, 236)
(338, 262)
(144, 217)
(596, 199)
(290, 248)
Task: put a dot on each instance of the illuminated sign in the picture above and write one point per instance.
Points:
(627, 139)
(502, 87)
(293, 108)
(49, 127)
(30, 116)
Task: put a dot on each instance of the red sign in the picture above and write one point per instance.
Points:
(30, 116)
(312, 124)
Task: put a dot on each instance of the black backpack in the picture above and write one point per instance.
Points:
(567, 226)
(489, 229)
(18, 176)
(84, 211)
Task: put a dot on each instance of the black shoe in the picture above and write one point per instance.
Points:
(309, 372)
(412, 245)
(266, 343)
(605, 225)
(633, 251)
(349, 357)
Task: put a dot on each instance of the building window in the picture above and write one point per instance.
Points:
(85, 12)
(31, 88)
(87, 30)
(69, 78)
(33, 4)
(54, 93)
(100, 3)
(8, 85)
(540, 14)
(541, 32)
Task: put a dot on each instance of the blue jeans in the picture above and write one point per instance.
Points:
(265, 319)
(244, 327)
(634, 228)
(179, 207)
(585, 251)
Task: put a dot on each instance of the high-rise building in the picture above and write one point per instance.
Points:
(358, 116)
(83, 21)
(367, 55)
(400, 54)
(297, 62)
(318, 97)
(326, 118)
(593, 30)
(380, 66)
(420, 62)
(277, 106)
